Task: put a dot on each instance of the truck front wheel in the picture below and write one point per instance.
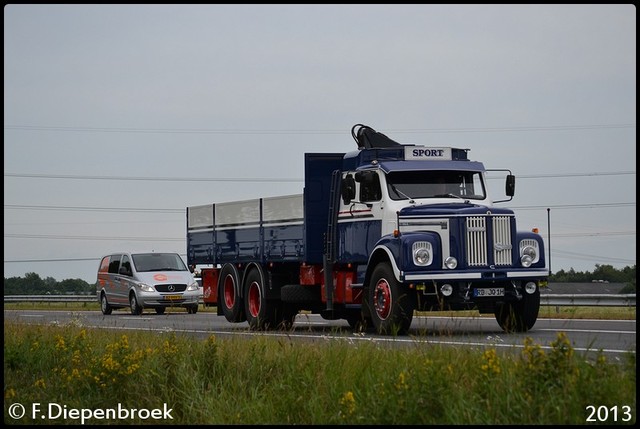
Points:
(519, 316)
(391, 306)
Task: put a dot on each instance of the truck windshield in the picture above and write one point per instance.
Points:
(403, 185)
(158, 262)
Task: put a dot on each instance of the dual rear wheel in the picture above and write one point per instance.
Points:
(260, 312)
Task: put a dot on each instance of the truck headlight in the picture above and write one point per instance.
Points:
(529, 253)
(422, 253)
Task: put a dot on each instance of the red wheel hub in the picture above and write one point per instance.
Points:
(254, 299)
(229, 292)
(382, 299)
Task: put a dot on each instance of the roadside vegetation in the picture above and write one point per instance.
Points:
(264, 380)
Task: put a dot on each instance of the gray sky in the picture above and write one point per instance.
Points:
(116, 117)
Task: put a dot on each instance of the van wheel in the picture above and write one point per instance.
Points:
(104, 305)
(160, 310)
(192, 309)
(136, 309)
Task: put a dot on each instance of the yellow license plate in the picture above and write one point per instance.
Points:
(173, 297)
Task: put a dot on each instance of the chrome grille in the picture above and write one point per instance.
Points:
(478, 245)
(476, 241)
(501, 240)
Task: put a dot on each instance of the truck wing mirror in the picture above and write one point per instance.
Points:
(510, 185)
(348, 189)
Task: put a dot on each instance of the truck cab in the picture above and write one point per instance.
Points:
(422, 222)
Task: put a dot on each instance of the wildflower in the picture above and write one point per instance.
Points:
(562, 345)
(491, 365)
(401, 383)
(348, 403)
(60, 344)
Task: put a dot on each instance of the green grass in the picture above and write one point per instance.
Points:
(264, 380)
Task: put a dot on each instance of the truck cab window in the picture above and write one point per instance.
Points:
(370, 188)
(434, 184)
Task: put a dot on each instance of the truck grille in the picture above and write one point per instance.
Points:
(479, 244)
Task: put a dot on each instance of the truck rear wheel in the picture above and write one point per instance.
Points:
(229, 300)
(261, 313)
(519, 316)
(390, 305)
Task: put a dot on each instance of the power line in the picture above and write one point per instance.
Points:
(155, 179)
(99, 209)
(92, 237)
(311, 131)
(574, 206)
(272, 179)
(583, 257)
(182, 210)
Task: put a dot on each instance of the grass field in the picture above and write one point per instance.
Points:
(261, 380)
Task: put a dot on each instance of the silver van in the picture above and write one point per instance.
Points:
(146, 280)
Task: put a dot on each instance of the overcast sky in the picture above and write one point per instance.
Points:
(117, 117)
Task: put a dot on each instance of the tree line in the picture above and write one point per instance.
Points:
(32, 284)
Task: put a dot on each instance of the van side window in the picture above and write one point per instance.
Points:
(114, 264)
(104, 265)
(126, 264)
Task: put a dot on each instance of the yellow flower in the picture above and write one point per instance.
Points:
(401, 383)
(348, 403)
(492, 364)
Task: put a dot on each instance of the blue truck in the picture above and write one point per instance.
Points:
(377, 234)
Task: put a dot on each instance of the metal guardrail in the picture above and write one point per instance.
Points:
(54, 298)
(608, 300)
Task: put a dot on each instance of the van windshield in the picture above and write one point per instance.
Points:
(158, 262)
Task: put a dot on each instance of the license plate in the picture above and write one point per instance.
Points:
(173, 297)
(489, 291)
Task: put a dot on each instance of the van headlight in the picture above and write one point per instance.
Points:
(422, 253)
(529, 252)
(146, 288)
(193, 286)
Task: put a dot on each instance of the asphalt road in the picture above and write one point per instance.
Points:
(614, 338)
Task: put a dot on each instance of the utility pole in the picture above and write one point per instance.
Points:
(549, 237)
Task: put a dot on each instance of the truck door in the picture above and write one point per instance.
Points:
(360, 216)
